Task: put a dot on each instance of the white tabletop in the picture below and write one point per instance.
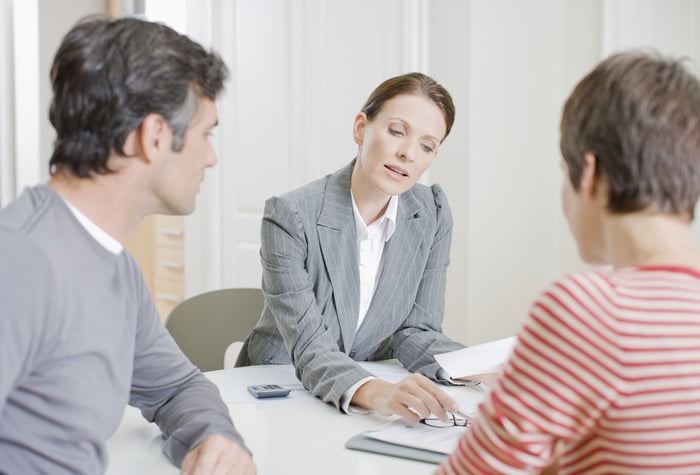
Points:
(298, 434)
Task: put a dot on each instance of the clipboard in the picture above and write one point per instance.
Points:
(367, 444)
(410, 441)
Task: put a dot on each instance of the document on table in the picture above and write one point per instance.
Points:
(420, 436)
(413, 441)
(477, 359)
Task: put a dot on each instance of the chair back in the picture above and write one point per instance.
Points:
(205, 325)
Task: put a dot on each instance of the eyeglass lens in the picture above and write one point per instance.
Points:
(453, 421)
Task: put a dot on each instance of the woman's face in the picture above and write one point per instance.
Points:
(399, 144)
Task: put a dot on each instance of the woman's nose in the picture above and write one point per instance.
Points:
(405, 152)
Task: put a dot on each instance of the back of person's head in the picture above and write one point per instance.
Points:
(639, 115)
(412, 83)
(108, 75)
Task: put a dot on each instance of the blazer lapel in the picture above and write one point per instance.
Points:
(400, 255)
(336, 234)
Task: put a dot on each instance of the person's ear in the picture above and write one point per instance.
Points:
(588, 181)
(153, 136)
(358, 129)
(132, 144)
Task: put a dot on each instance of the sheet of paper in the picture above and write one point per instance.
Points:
(442, 440)
(477, 359)
(466, 397)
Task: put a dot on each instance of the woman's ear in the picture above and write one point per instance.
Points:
(588, 182)
(358, 129)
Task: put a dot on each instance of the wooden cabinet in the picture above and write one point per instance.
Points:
(158, 246)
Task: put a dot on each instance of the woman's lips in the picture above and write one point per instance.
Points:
(398, 172)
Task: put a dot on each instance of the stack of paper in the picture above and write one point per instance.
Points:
(477, 359)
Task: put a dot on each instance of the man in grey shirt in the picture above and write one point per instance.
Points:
(80, 338)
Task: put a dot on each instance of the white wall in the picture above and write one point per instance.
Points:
(25, 71)
(509, 65)
(7, 102)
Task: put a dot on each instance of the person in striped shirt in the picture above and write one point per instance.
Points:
(605, 377)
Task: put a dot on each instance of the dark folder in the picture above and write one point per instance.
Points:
(367, 444)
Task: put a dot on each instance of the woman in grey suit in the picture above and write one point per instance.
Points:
(354, 264)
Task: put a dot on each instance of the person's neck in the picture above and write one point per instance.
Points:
(107, 200)
(371, 202)
(648, 238)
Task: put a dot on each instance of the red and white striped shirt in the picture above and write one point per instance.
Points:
(608, 367)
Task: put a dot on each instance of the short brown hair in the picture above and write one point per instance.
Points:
(412, 83)
(639, 115)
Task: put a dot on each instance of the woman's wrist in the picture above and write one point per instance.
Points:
(367, 394)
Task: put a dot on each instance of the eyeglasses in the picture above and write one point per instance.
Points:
(460, 420)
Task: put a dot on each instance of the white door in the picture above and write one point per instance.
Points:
(300, 71)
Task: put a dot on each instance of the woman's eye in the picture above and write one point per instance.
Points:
(396, 132)
(426, 148)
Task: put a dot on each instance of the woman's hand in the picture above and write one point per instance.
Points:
(489, 379)
(413, 398)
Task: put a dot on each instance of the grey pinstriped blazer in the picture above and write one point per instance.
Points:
(312, 287)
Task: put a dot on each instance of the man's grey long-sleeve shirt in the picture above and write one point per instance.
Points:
(79, 339)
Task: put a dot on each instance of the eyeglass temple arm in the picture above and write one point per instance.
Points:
(459, 413)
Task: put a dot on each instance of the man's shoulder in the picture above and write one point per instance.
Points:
(17, 248)
(24, 212)
(24, 267)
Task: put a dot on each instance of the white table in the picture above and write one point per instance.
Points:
(295, 435)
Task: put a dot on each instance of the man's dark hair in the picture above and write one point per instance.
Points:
(108, 75)
(639, 115)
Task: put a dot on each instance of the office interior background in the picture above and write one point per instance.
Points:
(301, 69)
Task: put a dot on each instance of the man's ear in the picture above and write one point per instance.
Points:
(589, 179)
(358, 129)
(153, 136)
(132, 144)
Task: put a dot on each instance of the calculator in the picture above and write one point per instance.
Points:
(268, 390)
